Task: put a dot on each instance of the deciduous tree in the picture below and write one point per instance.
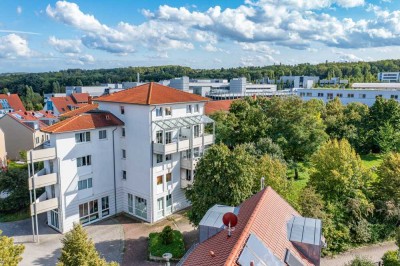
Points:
(10, 253)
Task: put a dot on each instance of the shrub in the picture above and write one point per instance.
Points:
(391, 258)
(362, 231)
(360, 261)
(166, 235)
(158, 248)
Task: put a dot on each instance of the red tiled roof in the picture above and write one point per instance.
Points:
(266, 215)
(14, 101)
(85, 121)
(80, 97)
(214, 106)
(26, 116)
(80, 110)
(47, 114)
(63, 103)
(151, 94)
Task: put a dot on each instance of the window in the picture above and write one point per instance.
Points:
(168, 177)
(123, 132)
(168, 157)
(188, 109)
(350, 95)
(82, 137)
(141, 207)
(84, 184)
(37, 140)
(168, 111)
(159, 111)
(394, 97)
(102, 134)
(122, 109)
(130, 203)
(88, 212)
(188, 175)
(160, 207)
(123, 154)
(168, 202)
(309, 94)
(320, 94)
(378, 96)
(363, 96)
(159, 158)
(302, 94)
(159, 137)
(84, 161)
(54, 218)
(123, 174)
(196, 131)
(340, 95)
(159, 180)
(329, 95)
(196, 152)
(197, 108)
(168, 137)
(53, 191)
(186, 154)
(105, 206)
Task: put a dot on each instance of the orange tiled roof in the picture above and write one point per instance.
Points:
(80, 110)
(214, 106)
(85, 121)
(47, 114)
(151, 94)
(266, 215)
(26, 116)
(14, 101)
(62, 103)
(80, 97)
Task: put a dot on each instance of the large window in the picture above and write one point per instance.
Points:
(130, 203)
(105, 206)
(54, 218)
(168, 137)
(84, 184)
(102, 134)
(159, 158)
(82, 137)
(83, 161)
(196, 131)
(197, 108)
(186, 154)
(168, 111)
(160, 207)
(159, 137)
(188, 109)
(159, 111)
(88, 212)
(141, 207)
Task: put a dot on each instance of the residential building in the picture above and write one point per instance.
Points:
(333, 82)
(3, 151)
(10, 103)
(83, 109)
(390, 77)
(22, 131)
(94, 91)
(299, 81)
(268, 232)
(60, 105)
(139, 150)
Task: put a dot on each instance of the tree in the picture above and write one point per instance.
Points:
(56, 87)
(10, 254)
(79, 250)
(5, 91)
(222, 177)
(14, 183)
(391, 258)
(311, 203)
(273, 170)
(360, 261)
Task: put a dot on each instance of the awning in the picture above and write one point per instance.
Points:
(183, 122)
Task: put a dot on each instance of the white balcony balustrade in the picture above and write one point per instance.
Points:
(43, 204)
(42, 179)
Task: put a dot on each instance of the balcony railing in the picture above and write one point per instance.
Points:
(42, 179)
(177, 145)
(189, 164)
(43, 204)
(39, 155)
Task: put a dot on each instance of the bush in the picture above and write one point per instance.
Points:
(362, 231)
(360, 261)
(167, 235)
(158, 248)
(391, 258)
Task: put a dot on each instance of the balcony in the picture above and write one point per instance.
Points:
(43, 179)
(189, 164)
(185, 183)
(40, 155)
(43, 204)
(175, 146)
(208, 140)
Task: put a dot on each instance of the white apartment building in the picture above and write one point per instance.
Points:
(391, 77)
(137, 156)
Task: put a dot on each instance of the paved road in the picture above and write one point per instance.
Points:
(107, 235)
(374, 253)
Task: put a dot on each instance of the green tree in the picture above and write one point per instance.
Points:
(273, 170)
(14, 183)
(10, 253)
(222, 177)
(311, 203)
(79, 250)
(56, 87)
(5, 91)
(360, 261)
(391, 258)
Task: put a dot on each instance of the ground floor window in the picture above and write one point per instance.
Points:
(54, 218)
(130, 203)
(105, 206)
(141, 207)
(88, 212)
(160, 207)
(168, 201)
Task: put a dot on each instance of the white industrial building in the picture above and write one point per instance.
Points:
(333, 82)
(299, 81)
(365, 93)
(391, 77)
(137, 156)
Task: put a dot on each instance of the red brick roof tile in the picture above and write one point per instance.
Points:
(151, 94)
(80, 97)
(80, 110)
(214, 106)
(14, 101)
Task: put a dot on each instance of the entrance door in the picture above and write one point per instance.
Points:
(160, 208)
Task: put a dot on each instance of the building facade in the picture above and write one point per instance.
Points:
(391, 77)
(140, 163)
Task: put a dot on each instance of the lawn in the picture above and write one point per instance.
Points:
(11, 217)
(158, 248)
(372, 160)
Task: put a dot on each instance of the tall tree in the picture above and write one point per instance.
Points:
(10, 253)
(14, 183)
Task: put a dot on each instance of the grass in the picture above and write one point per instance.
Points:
(158, 248)
(11, 217)
(13, 164)
(372, 160)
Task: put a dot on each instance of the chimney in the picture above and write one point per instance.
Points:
(8, 94)
(90, 100)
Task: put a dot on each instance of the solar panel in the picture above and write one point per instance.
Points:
(304, 230)
(291, 260)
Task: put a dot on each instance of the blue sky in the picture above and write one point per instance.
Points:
(39, 36)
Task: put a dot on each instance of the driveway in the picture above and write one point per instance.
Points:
(107, 235)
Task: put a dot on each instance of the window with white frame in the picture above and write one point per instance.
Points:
(197, 108)
(84, 161)
(186, 154)
(196, 131)
(102, 134)
(130, 203)
(159, 180)
(37, 140)
(123, 174)
(168, 137)
(105, 206)
(82, 137)
(168, 201)
(196, 152)
(122, 109)
(159, 111)
(123, 154)
(88, 212)
(141, 207)
(159, 136)
(168, 157)
(188, 109)
(168, 177)
(159, 158)
(168, 111)
(123, 132)
(85, 183)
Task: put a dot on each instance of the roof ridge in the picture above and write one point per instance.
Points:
(239, 243)
(20, 122)
(149, 93)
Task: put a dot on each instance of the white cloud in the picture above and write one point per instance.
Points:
(19, 10)
(13, 45)
(348, 57)
(65, 46)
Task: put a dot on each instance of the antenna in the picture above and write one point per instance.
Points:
(230, 220)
